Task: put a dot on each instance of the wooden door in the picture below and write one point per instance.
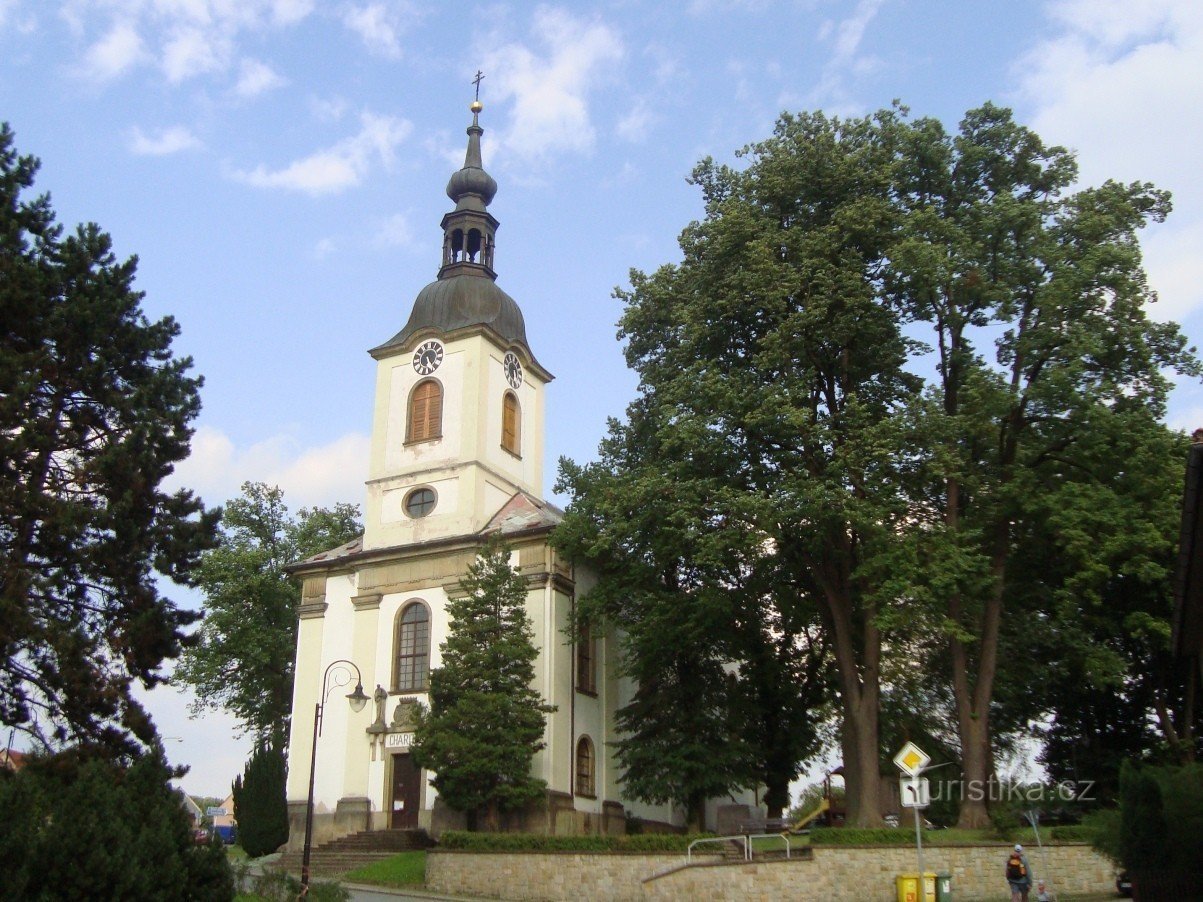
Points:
(406, 794)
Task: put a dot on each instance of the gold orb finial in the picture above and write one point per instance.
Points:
(476, 106)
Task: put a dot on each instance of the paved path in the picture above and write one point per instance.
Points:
(364, 893)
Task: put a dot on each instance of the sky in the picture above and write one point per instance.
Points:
(278, 167)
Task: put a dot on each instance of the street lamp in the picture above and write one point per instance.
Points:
(357, 699)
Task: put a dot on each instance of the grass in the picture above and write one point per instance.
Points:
(404, 869)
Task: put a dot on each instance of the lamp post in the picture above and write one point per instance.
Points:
(357, 699)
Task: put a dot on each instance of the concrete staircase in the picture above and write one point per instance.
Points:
(354, 851)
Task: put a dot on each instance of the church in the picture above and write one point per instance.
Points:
(456, 456)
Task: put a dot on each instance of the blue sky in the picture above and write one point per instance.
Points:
(278, 166)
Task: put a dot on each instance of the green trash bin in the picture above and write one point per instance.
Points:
(944, 887)
(907, 886)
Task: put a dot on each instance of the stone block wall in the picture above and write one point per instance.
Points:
(856, 874)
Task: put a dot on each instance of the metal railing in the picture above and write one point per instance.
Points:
(698, 842)
(744, 838)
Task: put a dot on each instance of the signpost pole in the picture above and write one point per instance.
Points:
(919, 842)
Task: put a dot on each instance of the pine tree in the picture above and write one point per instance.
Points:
(485, 722)
(95, 411)
(260, 803)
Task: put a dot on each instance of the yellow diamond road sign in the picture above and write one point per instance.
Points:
(911, 759)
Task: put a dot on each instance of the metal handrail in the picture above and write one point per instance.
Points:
(781, 836)
(741, 838)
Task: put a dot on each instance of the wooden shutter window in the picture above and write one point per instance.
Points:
(511, 424)
(425, 412)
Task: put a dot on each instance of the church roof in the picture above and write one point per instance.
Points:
(524, 512)
(460, 302)
(465, 295)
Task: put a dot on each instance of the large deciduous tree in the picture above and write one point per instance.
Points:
(94, 413)
(485, 721)
(242, 660)
(886, 351)
(1045, 360)
(771, 370)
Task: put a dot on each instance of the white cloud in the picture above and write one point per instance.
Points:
(167, 141)
(324, 248)
(635, 124)
(380, 25)
(22, 20)
(114, 54)
(395, 231)
(328, 109)
(255, 78)
(339, 167)
(309, 476)
(846, 36)
(550, 85)
(195, 51)
(1121, 83)
(183, 38)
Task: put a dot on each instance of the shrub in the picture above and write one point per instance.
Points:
(533, 842)
(260, 805)
(78, 826)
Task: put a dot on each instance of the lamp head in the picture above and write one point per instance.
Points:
(357, 698)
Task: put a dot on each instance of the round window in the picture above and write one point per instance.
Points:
(419, 502)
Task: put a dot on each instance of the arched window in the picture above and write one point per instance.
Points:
(425, 412)
(586, 769)
(511, 424)
(413, 649)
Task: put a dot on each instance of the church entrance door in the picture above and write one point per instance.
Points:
(406, 794)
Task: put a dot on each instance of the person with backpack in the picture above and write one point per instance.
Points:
(1019, 874)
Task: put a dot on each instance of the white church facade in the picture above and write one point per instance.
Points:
(456, 455)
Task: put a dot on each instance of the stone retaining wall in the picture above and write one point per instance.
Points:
(853, 873)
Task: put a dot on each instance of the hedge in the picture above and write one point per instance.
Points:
(533, 842)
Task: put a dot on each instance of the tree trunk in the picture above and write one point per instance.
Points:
(776, 796)
(862, 768)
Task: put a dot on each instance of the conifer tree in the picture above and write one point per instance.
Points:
(260, 803)
(485, 721)
(95, 411)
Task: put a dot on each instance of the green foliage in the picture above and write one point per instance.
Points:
(485, 722)
(863, 836)
(260, 803)
(404, 869)
(95, 411)
(537, 842)
(83, 827)
(1144, 833)
(1159, 826)
(243, 658)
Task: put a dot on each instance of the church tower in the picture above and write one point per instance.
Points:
(457, 428)
(456, 457)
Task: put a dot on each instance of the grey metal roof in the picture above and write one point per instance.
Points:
(461, 301)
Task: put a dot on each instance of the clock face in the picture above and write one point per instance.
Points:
(513, 370)
(427, 357)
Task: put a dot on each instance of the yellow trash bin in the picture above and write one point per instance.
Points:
(908, 887)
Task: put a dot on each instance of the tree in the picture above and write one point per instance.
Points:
(764, 448)
(242, 660)
(260, 802)
(83, 825)
(993, 252)
(485, 721)
(95, 411)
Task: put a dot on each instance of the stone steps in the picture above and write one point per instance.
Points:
(355, 851)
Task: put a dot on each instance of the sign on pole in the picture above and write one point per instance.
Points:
(914, 791)
(213, 811)
(911, 759)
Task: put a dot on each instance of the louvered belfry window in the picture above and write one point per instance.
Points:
(425, 412)
(511, 424)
